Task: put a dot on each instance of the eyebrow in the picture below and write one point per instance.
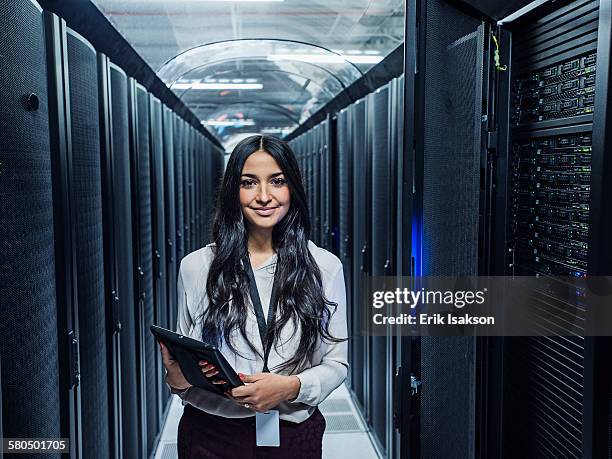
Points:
(255, 176)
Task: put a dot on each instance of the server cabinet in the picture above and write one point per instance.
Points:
(87, 193)
(210, 166)
(142, 245)
(344, 178)
(448, 152)
(317, 152)
(312, 191)
(204, 183)
(123, 307)
(360, 248)
(170, 204)
(186, 177)
(555, 159)
(197, 195)
(382, 204)
(158, 222)
(307, 186)
(111, 275)
(207, 159)
(326, 197)
(191, 170)
(31, 300)
(180, 193)
(400, 256)
(193, 162)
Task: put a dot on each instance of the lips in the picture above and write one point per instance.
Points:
(264, 211)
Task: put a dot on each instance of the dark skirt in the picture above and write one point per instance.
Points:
(203, 435)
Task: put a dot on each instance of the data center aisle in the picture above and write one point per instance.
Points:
(345, 435)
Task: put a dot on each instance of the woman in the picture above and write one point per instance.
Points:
(261, 219)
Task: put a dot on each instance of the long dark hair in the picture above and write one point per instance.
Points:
(300, 295)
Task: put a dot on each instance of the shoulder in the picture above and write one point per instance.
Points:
(329, 264)
(194, 265)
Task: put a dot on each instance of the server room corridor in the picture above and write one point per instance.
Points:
(442, 145)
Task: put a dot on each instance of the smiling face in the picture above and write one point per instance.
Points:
(264, 192)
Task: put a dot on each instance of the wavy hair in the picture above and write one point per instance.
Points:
(300, 294)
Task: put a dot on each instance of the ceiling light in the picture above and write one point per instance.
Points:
(239, 1)
(364, 59)
(227, 122)
(326, 58)
(217, 86)
(313, 58)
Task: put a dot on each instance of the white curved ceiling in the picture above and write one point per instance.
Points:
(268, 87)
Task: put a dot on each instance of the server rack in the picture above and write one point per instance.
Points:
(180, 193)
(557, 51)
(31, 300)
(400, 234)
(170, 203)
(360, 246)
(86, 187)
(159, 244)
(123, 311)
(197, 192)
(380, 201)
(538, 153)
(343, 180)
(111, 275)
(447, 186)
(326, 190)
(192, 190)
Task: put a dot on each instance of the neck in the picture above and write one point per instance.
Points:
(260, 240)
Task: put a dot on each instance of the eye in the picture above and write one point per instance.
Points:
(247, 183)
(279, 181)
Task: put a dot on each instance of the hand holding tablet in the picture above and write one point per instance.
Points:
(188, 352)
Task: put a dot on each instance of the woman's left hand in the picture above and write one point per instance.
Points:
(263, 391)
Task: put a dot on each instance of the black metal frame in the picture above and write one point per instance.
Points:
(598, 350)
(63, 216)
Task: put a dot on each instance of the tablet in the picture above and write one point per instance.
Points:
(188, 352)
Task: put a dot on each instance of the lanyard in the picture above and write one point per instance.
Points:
(261, 321)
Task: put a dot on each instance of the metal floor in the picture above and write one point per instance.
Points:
(346, 435)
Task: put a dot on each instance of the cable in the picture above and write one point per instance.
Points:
(498, 66)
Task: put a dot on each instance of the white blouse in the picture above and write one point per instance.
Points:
(330, 361)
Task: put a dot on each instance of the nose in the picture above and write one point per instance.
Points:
(263, 195)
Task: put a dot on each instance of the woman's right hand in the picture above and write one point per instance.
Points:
(209, 370)
(174, 375)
